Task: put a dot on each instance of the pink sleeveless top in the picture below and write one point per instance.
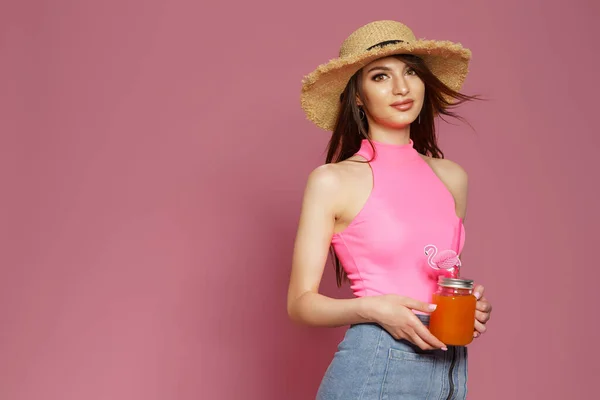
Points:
(409, 208)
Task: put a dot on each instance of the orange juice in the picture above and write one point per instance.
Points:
(453, 321)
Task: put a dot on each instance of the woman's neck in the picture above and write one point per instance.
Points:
(388, 135)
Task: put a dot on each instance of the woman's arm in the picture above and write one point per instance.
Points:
(456, 180)
(317, 220)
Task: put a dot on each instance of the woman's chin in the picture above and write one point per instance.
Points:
(398, 123)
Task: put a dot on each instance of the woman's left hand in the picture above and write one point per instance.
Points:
(482, 313)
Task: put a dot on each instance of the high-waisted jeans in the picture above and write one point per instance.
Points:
(370, 364)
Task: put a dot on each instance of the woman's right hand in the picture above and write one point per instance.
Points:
(394, 314)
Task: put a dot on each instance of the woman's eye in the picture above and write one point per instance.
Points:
(378, 77)
(411, 71)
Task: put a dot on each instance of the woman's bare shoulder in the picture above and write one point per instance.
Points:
(333, 178)
(447, 170)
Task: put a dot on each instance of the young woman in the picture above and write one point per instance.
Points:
(384, 195)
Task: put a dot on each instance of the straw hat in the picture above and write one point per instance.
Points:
(321, 89)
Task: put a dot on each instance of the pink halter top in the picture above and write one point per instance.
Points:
(409, 208)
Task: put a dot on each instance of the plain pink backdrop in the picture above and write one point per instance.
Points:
(153, 158)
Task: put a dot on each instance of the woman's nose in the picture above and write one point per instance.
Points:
(400, 87)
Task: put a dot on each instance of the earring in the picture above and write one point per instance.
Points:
(419, 118)
(361, 113)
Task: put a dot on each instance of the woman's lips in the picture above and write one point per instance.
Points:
(404, 106)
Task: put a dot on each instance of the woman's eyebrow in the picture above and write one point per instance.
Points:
(379, 67)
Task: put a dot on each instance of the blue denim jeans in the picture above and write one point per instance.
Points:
(370, 364)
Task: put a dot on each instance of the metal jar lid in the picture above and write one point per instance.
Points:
(455, 283)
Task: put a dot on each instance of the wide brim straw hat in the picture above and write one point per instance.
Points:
(321, 89)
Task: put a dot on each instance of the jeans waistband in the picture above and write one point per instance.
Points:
(424, 318)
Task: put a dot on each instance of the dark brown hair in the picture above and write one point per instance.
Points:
(350, 129)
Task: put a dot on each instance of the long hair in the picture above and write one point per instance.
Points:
(350, 129)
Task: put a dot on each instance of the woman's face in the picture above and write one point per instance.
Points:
(386, 83)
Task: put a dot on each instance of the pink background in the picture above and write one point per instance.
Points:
(153, 159)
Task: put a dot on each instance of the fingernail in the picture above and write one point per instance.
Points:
(477, 295)
(432, 307)
(475, 334)
(445, 348)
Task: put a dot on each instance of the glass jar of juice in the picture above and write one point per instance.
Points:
(453, 321)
